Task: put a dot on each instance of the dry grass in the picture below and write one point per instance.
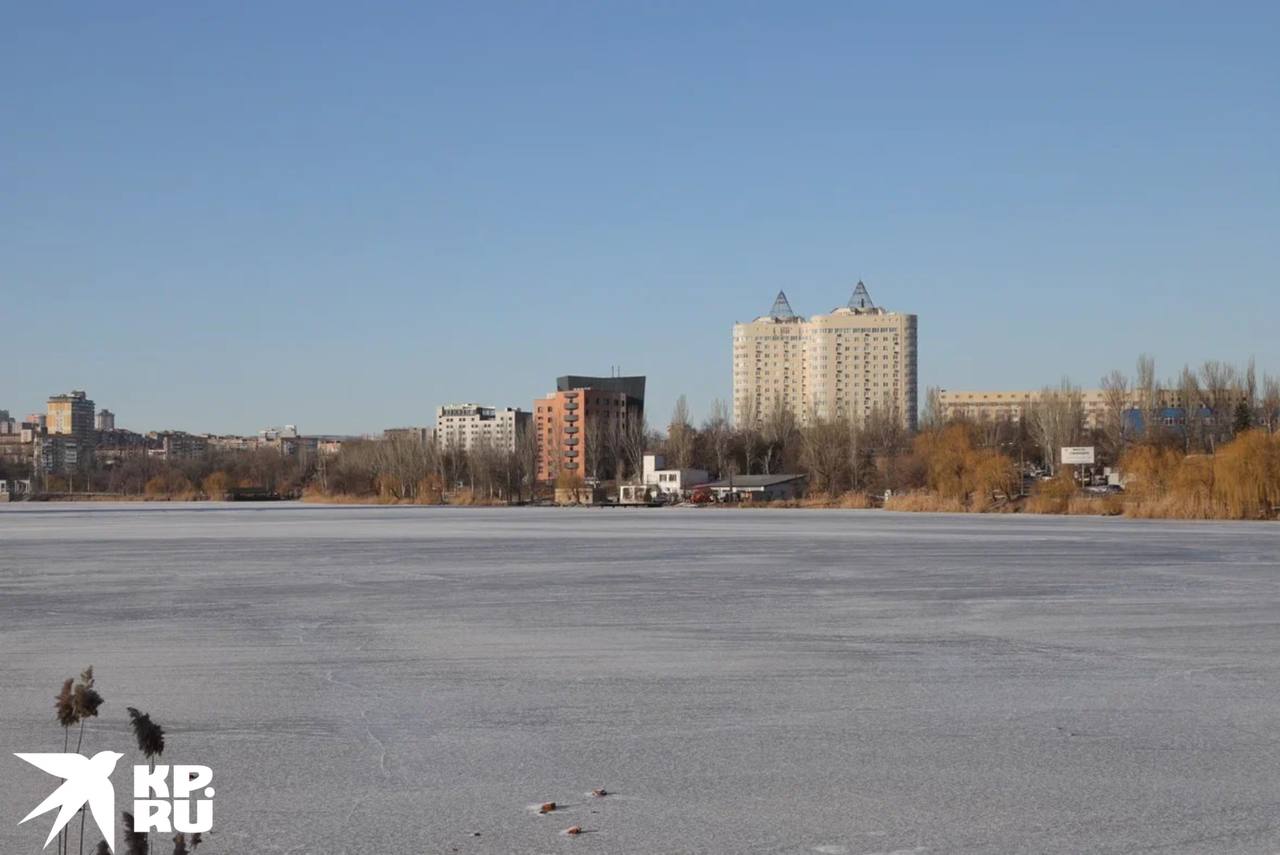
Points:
(320, 497)
(922, 501)
(846, 501)
(1046, 503)
(1106, 506)
(1173, 506)
(464, 498)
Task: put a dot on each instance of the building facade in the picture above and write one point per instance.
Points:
(1011, 405)
(632, 387)
(854, 361)
(106, 420)
(670, 482)
(410, 434)
(463, 427)
(580, 432)
(70, 440)
(757, 488)
(71, 415)
(177, 445)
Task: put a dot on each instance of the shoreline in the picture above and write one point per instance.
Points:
(915, 504)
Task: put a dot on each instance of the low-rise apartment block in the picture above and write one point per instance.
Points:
(177, 445)
(463, 427)
(1012, 405)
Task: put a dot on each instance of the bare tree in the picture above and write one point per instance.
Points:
(1222, 389)
(1116, 397)
(1193, 422)
(778, 435)
(886, 438)
(635, 441)
(719, 436)
(526, 459)
(857, 455)
(1147, 389)
(1269, 404)
(822, 453)
(596, 436)
(1056, 419)
(748, 431)
(932, 415)
(681, 436)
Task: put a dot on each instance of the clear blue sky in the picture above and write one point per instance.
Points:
(223, 216)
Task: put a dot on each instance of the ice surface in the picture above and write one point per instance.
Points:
(393, 680)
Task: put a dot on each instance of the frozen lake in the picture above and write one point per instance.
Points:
(394, 680)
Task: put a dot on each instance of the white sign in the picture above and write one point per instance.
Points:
(1077, 454)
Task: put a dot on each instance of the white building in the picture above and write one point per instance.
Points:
(672, 482)
(847, 364)
(463, 427)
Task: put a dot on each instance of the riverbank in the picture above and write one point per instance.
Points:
(922, 502)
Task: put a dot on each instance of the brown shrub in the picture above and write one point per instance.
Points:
(955, 469)
(169, 485)
(1242, 481)
(216, 484)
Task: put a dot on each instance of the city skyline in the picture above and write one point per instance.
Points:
(315, 216)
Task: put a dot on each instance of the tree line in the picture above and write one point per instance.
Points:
(1147, 428)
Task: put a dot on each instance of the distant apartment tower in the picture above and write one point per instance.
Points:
(71, 415)
(464, 427)
(856, 360)
(106, 420)
(581, 427)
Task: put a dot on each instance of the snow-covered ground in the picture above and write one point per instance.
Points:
(397, 680)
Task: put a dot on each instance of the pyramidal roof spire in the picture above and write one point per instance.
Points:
(861, 299)
(781, 308)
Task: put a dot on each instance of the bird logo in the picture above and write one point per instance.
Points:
(87, 781)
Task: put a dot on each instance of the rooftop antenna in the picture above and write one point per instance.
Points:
(781, 310)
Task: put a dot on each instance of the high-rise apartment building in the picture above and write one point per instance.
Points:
(71, 415)
(849, 363)
(463, 427)
(106, 420)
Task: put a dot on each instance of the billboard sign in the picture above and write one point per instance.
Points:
(1077, 454)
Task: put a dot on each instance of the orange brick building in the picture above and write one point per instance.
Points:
(580, 427)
